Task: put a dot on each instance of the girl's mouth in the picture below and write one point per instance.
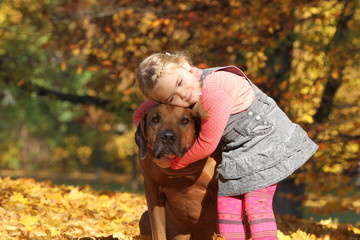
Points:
(189, 98)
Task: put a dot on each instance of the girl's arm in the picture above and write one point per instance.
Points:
(139, 112)
(218, 105)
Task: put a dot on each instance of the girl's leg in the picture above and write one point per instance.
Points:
(230, 214)
(259, 210)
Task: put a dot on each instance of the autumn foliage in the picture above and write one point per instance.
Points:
(41, 210)
(67, 95)
(32, 210)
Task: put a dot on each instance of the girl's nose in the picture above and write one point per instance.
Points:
(182, 94)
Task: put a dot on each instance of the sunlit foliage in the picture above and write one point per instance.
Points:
(40, 210)
(67, 71)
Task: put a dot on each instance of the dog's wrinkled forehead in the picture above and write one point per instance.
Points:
(165, 113)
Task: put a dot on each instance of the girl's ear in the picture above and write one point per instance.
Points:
(185, 64)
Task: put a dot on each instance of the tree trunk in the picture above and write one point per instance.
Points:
(337, 63)
(284, 205)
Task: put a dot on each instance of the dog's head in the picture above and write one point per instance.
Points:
(167, 130)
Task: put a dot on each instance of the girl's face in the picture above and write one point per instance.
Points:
(177, 86)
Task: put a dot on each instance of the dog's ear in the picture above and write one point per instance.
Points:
(197, 119)
(140, 138)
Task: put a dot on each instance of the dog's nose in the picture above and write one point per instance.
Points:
(168, 137)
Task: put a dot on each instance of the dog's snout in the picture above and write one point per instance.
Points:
(168, 137)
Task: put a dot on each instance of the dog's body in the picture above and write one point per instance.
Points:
(181, 203)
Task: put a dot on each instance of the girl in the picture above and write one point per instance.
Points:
(260, 145)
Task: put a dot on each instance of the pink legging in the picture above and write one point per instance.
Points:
(248, 216)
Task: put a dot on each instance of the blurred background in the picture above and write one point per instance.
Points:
(67, 95)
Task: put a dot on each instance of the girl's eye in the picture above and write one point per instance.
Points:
(180, 82)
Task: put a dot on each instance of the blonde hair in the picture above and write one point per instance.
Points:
(151, 69)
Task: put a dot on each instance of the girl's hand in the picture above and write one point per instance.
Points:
(163, 162)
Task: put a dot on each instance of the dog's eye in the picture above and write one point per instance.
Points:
(155, 120)
(185, 121)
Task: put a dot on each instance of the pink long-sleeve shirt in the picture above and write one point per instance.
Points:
(223, 93)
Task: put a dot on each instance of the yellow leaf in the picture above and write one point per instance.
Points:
(305, 90)
(282, 236)
(19, 198)
(106, 63)
(54, 231)
(29, 222)
(335, 74)
(336, 168)
(308, 118)
(93, 68)
(76, 51)
(356, 230)
(352, 147)
(79, 69)
(63, 66)
(120, 37)
(104, 198)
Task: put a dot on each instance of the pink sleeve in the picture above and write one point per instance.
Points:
(218, 106)
(139, 112)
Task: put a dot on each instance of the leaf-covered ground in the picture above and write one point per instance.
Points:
(40, 210)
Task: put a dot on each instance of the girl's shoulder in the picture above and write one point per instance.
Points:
(236, 89)
(223, 80)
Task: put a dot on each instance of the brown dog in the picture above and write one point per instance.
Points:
(181, 203)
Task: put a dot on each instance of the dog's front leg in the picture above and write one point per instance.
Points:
(156, 206)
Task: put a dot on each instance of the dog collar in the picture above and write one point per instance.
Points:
(151, 147)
